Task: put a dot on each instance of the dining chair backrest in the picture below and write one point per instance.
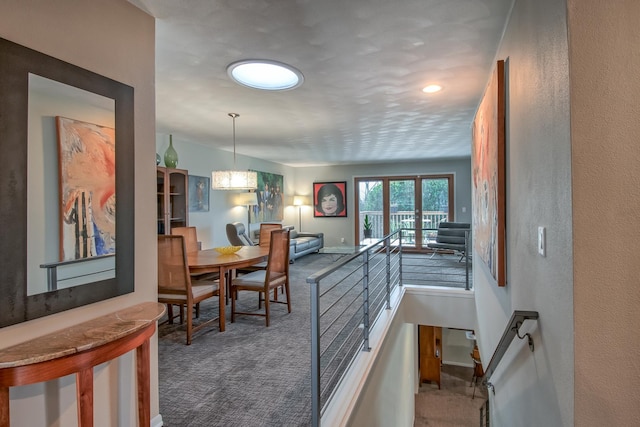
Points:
(237, 235)
(175, 286)
(278, 263)
(190, 237)
(173, 269)
(265, 233)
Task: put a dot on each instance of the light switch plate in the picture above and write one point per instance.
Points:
(542, 244)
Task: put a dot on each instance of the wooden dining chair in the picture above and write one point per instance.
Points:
(265, 233)
(263, 281)
(192, 244)
(190, 235)
(175, 285)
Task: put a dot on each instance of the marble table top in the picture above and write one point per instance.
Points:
(83, 336)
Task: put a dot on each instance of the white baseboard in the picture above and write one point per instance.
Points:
(157, 421)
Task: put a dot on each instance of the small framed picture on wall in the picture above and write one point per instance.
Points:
(330, 199)
(199, 193)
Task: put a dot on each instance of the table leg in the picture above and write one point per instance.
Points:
(223, 288)
(4, 406)
(84, 392)
(144, 383)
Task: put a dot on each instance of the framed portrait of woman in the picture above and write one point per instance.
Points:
(330, 199)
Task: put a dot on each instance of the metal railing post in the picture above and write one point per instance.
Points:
(365, 303)
(466, 259)
(400, 259)
(315, 354)
(387, 244)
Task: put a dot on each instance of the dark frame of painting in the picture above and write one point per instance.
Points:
(199, 188)
(270, 207)
(488, 177)
(330, 188)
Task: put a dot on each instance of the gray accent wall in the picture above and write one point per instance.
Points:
(572, 167)
(534, 388)
(337, 228)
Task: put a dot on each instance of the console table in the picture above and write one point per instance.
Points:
(78, 349)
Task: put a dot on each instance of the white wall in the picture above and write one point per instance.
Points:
(605, 107)
(534, 386)
(115, 39)
(386, 398)
(456, 348)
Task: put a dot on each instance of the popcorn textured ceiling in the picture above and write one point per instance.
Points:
(364, 62)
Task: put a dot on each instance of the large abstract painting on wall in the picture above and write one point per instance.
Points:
(488, 177)
(270, 207)
(87, 189)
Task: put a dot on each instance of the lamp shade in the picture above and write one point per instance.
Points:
(300, 200)
(234, 180)
(245, 199)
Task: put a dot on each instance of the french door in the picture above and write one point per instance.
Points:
(415, 204)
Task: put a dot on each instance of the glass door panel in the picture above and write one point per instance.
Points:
(436, 201)
(402, 209)
(370, 203)
(415, 204)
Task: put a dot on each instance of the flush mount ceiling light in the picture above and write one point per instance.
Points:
(234, 179)
(265, 74)
(432, 89)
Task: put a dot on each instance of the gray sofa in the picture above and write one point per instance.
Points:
(302, 243)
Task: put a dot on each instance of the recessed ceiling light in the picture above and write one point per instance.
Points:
(432, 89)
(265, 74)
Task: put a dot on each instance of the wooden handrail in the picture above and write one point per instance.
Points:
(517, 318)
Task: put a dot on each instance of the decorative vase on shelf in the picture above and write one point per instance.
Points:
(171, 156)
(157, 159)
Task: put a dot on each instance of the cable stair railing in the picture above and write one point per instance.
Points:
(347, 299)
(354, 291)
(511, 331)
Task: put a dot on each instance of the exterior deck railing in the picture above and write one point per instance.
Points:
(403, 219)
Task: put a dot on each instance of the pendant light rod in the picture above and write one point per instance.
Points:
(234, 116)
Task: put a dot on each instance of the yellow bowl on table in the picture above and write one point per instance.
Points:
(228, 250)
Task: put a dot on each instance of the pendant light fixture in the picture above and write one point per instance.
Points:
(234, 179)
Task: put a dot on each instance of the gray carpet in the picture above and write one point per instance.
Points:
(249, 375)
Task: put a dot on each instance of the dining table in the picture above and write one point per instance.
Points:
(211, 261)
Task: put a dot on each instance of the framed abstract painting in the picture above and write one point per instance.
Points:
(87, 182)
(488, 177)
